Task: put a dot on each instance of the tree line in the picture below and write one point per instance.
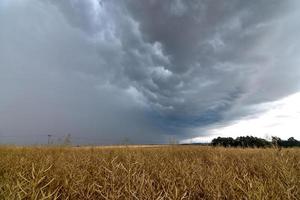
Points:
(250, 141)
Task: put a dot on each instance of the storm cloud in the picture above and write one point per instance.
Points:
(144, 71)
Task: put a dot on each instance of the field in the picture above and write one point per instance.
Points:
(149, 172)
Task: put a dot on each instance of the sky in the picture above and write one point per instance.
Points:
(148, 71)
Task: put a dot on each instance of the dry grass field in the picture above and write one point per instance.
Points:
(162, 172)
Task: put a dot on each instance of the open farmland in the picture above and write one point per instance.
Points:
(160, 172)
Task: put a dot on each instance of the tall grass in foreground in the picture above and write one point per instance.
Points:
(179, 172)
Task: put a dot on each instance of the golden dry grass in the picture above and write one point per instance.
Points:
(174, 172)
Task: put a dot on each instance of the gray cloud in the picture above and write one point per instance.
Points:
(142, 69)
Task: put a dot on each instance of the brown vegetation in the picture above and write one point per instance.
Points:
(174, 172)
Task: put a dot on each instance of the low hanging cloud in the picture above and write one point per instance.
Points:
(143, 70)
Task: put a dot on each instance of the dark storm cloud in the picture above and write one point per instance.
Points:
(142, 69)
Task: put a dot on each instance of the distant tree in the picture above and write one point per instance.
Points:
(292, 139)
(225, 141)
(291, 142)
(247, 141)
(250, 141)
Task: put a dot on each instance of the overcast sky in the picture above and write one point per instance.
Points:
(146, 71)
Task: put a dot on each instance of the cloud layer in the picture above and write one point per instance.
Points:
(144, 70)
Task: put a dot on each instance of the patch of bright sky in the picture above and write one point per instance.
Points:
(282, 119)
